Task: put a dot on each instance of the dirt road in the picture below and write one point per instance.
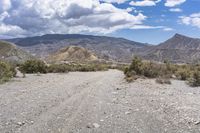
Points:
(97, 102)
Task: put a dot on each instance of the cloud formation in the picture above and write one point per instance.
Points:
(193, 20)
(175, 10)
(114, 1)
(172, 3)
(144, 3)
(35, 17)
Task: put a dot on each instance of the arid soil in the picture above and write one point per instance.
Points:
(97, 102)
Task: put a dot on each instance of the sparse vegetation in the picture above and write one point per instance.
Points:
(63, 68)
(163, 71)
(147, 69)
(195, 80)
(37, 66)
(6, 72)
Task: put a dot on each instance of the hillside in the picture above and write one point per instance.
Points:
(72, 53)
(108, 48)
(10, 52)
(178, 49)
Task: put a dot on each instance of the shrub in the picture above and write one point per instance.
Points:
(136, 65)
(58, 68)
(150, 70)
(63, 68)
(195, 81)
(183, 74)
(33, 66)
(6, 72)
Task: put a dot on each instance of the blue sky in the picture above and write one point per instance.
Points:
(161, 15)
(149, 21)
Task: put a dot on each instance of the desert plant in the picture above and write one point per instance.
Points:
(58, 68)
(136, 65)
(150, 70)
(6, 72)
(195, 80)
(33, 66)
(183, 74)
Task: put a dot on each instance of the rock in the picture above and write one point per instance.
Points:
(174, 76)
(114, 93)
(118, 89)
(101, 120)
(18, 73)
(89, 125)
(127, 113)
(20, 123)
(197, 123)
(96, 125)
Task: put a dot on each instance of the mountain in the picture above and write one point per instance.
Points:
(178, 49)
(10, 52)
(108, 48)
(72, 53)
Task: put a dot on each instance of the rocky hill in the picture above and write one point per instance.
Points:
(108, 48)
(72, 53)
(178, 49)
(10, 52)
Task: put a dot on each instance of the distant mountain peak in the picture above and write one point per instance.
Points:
(177, 35)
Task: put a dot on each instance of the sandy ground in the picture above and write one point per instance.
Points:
(97, 102)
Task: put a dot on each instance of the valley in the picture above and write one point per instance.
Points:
(95, 102)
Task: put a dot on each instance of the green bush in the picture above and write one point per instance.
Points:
(183, 74)
(33, 66)
(6, 72)
(195, 81)
(136, 65)
(58, 68)
(150, 70)
(63, 68)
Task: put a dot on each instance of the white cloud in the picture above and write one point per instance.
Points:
(193, 20)
(10, 30)
(144, 3)
(35, 17)
(172, 3)
(114, 1)
(168, 29)
(146, 27)
(5, 5)
(175, 10)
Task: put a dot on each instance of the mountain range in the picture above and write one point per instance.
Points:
(109, 48)
(178, 49)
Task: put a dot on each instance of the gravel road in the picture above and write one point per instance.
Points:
(97, 102)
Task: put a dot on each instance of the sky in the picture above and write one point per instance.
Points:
(147, 21)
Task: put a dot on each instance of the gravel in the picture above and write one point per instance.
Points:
(96, 102)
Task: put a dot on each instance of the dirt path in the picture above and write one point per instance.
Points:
(100, 102)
